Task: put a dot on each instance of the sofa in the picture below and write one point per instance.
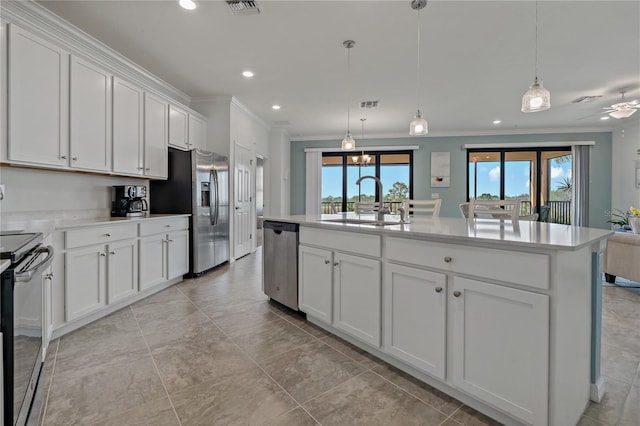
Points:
(622, 257)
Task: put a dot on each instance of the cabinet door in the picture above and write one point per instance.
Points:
(90, 106)
(122, 270)
(197, 133)
(500, 347)
(153, 261)
(415, 317)
(85, 281)
(156, 128)
(38, 100)
(315, 282)
(357, 297)
(127, 128)
(177, 254)
(178, 127)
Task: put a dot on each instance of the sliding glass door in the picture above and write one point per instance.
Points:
(540, 178)
(340, 171)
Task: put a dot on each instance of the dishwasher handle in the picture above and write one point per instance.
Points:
(280, 227)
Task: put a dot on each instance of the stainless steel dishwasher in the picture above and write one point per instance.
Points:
(280, 262)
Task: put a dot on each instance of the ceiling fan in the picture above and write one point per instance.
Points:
(623, 109)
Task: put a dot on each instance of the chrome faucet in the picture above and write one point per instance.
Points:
(382, 210)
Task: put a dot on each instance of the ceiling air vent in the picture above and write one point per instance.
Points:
(585, 99)
(282, 123)
(243, 6)
(369, 104)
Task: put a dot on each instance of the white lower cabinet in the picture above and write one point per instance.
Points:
(415, 317)
(163, 255)
(501, 347)
(357, 297)
(177, 254)
(85, 284)
(316, 282)
(122, 270)
(153, 262)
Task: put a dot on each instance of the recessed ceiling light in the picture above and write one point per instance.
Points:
(276, 107)
(497, 121)
(606, 117)
(248, 73)
(188, 4)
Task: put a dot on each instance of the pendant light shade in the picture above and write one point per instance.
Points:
(537, 98)
(418, 126)
(348, 143)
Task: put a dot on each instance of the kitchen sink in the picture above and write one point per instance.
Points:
(353, 221)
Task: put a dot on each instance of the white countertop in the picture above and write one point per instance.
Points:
(481, 232)
(47, 226)
(4, 264)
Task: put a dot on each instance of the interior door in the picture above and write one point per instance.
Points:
(242, 194)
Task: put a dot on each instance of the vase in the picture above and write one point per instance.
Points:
(634, 222)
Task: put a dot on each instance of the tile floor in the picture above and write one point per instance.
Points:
(214, 351)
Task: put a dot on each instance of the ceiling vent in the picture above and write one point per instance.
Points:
(282, 123)
(585, 99)
(369, 104)
(243, 7)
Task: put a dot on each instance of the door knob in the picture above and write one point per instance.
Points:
(456, 294)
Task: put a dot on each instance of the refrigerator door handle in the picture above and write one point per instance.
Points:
(217, 195)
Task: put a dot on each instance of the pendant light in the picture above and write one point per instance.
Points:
(537, 98)
(348, 143)
(418, 125)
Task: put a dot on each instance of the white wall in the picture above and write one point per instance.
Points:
(46, 193)
(218, 113)
(279, 202)
(624, 147)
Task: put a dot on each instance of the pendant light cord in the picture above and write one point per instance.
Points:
(418, 66)
(536, 65)
(349, 89)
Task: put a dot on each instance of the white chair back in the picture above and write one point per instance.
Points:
(495, 209)
(364, 207)
(426, 207)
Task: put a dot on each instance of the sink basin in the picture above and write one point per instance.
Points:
(354, 221)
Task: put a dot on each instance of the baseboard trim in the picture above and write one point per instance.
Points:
(598, 389)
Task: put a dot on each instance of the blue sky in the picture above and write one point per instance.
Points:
(332, 179)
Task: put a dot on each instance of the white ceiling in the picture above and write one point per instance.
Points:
(477, 59)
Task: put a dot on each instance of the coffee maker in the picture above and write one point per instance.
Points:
(128, 201)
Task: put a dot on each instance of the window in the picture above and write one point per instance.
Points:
(340, 171)
(536, 176)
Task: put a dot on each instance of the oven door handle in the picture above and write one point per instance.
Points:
(27, 275)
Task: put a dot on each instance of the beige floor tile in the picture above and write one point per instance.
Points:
(631, 410)
(608, 411)
(370, 400)
(187, 362)
(438, 400)
(270, 339)
(114, 339)
(153, 413)
(588, 421)
(88, 395)
(237, 318)
(310, 370)
(619, 364)
(250, 398)
(467, 416)
(166, 310)
(195, 325)
(450, 422)
(295, 417)
(353, 352)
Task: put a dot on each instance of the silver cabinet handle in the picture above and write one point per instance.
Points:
(448, 259)
(438, 289)
(147, 169)
(170, 241)
(326, 262)
(103, 254)
(49, 276)
(63, 157)
(167, 226)
(107, 234)
(112, 252)
(336, 264)
(456, 294)
(74, 158)
(140, 168)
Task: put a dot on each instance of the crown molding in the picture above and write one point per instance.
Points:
(41, 21)
(461, 134)
(240, 105)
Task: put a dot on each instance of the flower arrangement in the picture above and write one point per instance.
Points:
(633, 217)
(619, 218)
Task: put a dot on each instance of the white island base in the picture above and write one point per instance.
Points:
(503, 324)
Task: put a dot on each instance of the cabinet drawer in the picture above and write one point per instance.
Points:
(99, 235)
(151, 227)
(343, 241)
(528, 269)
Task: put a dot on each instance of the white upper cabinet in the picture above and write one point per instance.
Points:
(156, 130)
(127, 128)
(178, 127)
(90, 116)
(38, 100)
(197, 133)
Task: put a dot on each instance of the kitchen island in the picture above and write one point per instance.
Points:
(496, 314)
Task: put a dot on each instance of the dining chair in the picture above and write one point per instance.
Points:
(426, 207)
(364, 207)
(495, 209)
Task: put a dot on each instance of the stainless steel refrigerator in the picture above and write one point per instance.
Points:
(198, 184)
